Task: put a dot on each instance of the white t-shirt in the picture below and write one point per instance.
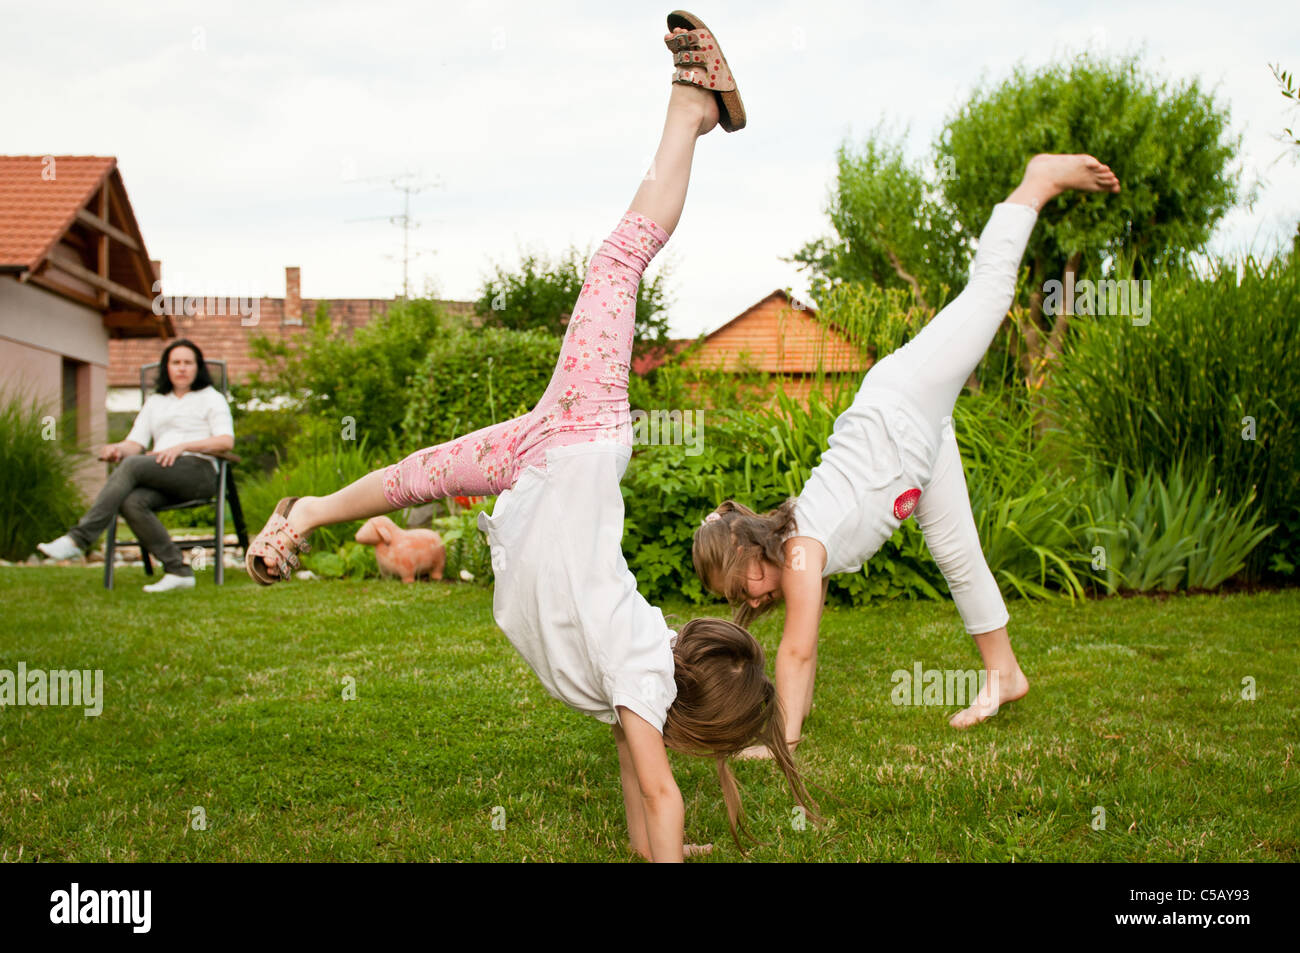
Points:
(881, 449)
(564, 596)
(166, 420)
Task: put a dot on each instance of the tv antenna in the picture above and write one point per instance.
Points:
(407, 184)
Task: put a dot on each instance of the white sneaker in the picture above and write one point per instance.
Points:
(61, 548)
(169, 581)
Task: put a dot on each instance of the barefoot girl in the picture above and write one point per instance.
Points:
(564, 595)
(893, 454)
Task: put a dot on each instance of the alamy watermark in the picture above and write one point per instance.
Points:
(669, 428)
(1126, 297)
(76, 688)
(945, 687)
(75, 905)
(248, 307)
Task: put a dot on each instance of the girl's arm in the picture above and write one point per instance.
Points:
(632, 806)
(655, 812)
(796, 658)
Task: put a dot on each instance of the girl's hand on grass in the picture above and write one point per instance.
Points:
(696, 850)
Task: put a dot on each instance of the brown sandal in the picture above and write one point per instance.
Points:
(700, 63)
(276, 545)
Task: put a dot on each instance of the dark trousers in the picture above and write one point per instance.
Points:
(137, 487)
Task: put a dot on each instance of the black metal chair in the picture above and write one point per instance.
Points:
(226, 490)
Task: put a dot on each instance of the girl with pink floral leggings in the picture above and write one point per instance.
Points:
(563, 594)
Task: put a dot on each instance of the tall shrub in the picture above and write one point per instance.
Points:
(39, 497)
(1212, 382)
(362, 376)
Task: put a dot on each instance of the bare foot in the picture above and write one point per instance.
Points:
(1065, 172)
(696, 850)
(1005, 686)
(1047, 176)
(694, 98)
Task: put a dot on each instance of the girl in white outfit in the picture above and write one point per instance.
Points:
(892, 455)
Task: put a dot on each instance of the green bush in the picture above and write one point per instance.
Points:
(263, 437)
(362, 377)
(467, 547)
(472, 379)
(39, 496)
(352, 560)
(1218, 350)
(667, 493)
(1168, 535)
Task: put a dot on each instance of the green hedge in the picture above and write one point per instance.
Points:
(472, 379)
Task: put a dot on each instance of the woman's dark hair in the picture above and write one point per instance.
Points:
(202, 378)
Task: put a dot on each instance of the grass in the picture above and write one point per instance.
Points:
(230, 700)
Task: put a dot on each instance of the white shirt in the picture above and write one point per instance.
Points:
(879, 449)
(166, 420)
(564, 596)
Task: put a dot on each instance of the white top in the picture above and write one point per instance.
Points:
(879, 449)
(166, 420)
(564, 596)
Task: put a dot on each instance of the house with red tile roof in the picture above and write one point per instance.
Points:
(777, 335)
(74, 276)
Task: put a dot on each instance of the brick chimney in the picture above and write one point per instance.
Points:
(292, 296)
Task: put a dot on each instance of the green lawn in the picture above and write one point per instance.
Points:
(231, 700)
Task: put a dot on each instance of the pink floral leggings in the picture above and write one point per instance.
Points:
(586, 400)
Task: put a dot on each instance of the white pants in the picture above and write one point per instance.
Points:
(930, 371)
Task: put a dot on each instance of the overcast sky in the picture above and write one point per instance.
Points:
(250, 135)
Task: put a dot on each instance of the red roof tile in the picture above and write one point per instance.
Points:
(37, 207)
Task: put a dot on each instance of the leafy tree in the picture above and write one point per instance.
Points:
(540, 293)
(1169, 146)
(891, 227)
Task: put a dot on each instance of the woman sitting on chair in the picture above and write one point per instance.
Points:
(185, 417)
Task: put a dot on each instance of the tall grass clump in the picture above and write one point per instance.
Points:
(1154, 534)
(1212, 382)
(39, 496)
(1026, 510)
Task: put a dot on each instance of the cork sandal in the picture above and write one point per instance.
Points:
(277, 545)
(700, 63)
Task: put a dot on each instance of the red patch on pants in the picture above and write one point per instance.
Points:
(906, 503)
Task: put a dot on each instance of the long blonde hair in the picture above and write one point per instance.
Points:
(724, 548)
(725, 703)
